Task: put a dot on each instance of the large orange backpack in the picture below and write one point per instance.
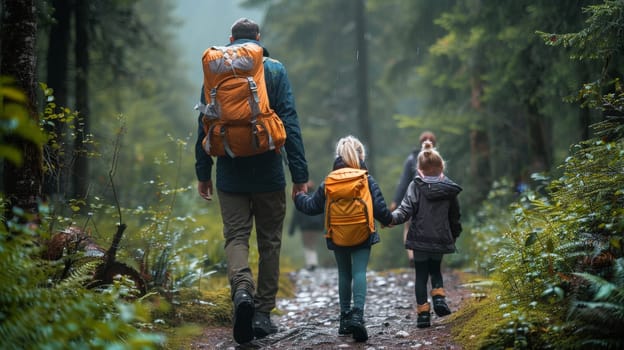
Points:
(349, 217)
(237, 118)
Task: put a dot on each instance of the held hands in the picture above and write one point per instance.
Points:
(299, 188)
(391, 224)
(393, 206)
(204, 188)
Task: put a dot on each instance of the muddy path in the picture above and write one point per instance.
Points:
(310, 319)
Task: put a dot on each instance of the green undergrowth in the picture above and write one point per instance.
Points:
(473, 321)
(555, 256)
(191, 310)
(38, 311)
(489, 320)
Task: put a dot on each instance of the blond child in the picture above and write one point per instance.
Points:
(352, 260)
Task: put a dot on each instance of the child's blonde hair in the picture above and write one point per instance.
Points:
(351, 150)
(430, 162)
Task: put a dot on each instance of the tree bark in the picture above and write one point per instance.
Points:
(362, 82)
(22, 183)
(81, 169)
(480, 167)
(57, 66)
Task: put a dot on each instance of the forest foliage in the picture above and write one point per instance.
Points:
(554, 257)
(506, 88)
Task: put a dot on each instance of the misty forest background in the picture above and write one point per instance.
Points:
(525, 98)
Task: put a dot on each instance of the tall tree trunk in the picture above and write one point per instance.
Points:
(81, 170)
(22, 184)
(57, 65)
(362, 82)
(480, 169)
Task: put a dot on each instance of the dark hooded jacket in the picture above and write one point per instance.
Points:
(409, 171)
(433, 206)
(314, 204)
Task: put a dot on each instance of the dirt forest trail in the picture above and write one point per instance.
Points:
(310, 319)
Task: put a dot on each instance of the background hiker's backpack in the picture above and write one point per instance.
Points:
(237, 118)
(349, 217)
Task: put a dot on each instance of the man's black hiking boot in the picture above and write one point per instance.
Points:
(262, 325)
(243, 316)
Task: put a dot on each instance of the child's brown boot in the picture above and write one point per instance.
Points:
(439, 302)
(424, 315)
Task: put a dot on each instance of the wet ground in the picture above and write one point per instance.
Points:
(310, 319)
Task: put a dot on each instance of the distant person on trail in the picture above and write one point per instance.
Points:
(408, 174)
(251, 192)
(349, 190)
(311, 228)
(431, 203)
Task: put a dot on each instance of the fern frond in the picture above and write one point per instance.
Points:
(79, 276)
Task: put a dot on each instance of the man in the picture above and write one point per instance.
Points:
(251, 190)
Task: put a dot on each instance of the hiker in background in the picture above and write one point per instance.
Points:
(349, 190)
(408, 174)
(431, 202)
(251, 191)
(311, 227)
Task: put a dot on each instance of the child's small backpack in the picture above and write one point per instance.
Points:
(237, 118)
(349, 217)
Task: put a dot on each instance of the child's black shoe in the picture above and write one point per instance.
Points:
(356, 325)
(439, 302)
(424, 315)
(345, 319)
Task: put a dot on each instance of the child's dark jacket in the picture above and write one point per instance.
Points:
(434, 209)
(314, 204)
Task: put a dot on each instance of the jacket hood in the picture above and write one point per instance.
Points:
(441, 189)
(339, 164)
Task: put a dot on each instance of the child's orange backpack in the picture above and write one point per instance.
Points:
(349, 217)
(237, 118)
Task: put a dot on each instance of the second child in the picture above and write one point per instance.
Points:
(352, 260)
(431, 203)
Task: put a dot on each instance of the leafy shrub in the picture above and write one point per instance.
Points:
(599, 321)
(485, 229)
(557, 257)
(37, 312)
(558, 267)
